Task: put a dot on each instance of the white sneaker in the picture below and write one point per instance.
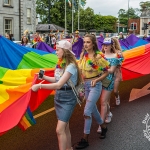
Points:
(117, 100)
(108, 118)
(99, 130)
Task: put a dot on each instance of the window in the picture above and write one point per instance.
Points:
(134, 26)
(28, 15)
(6, 2)
(8, 26)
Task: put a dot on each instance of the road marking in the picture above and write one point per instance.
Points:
(44, 112)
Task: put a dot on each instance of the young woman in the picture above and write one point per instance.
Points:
(94, 68)
(24, 41)
(110, 54)
(8, 36)
(65, 99)
(118, 73)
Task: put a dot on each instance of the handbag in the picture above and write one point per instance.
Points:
(78, 90)
(106, 82)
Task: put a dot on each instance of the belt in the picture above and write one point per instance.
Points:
(65, 88)
(92, 77)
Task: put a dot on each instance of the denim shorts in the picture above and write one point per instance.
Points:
(65, 102)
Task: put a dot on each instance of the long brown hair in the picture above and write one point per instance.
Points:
(70, 58)
(116, 44)
(94, 42)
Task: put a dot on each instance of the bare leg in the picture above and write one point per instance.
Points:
(68, 135)
(61, 134)
(116, 86)
(105, 96)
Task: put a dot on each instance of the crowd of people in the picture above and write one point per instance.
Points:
(93, 68)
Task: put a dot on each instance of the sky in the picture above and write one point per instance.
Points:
(111, 7)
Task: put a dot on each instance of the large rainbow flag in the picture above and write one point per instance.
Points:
(127, 44)
(18, 72)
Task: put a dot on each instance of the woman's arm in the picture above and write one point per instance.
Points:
(112, 69)
(53, 86)
(49, 79)
(104, 75)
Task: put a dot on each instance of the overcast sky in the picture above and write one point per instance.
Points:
(111, 7)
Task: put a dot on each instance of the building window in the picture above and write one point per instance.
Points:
(8, 26)
(28, 15)
(134, 26)
(7, 2)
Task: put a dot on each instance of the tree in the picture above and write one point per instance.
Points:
(123, 15)
(144, 5)
(57, 11)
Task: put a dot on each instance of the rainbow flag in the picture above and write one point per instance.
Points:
(18, 72)
(18, 68)
(27, 120)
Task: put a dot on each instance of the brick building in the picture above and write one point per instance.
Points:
(134, 25)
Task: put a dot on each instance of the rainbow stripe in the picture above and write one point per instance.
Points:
(27, 120)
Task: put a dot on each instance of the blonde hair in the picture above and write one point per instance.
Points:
(70, 58)
(116, 44)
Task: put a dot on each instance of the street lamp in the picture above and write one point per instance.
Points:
(128, 17)
(49, 6)
(48, 11)
(118, 22)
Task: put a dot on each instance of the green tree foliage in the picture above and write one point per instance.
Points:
(144, 5)
(123, 15)
(88, 20)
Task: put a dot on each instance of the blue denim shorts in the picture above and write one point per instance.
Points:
(65, 102)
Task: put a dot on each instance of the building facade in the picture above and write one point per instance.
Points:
(134, 25)
(16, 16)
(145, 20)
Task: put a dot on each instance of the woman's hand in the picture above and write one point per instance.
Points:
(93, 82)
(35, 87)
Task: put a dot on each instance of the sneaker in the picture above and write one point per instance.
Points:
(103, 134)
(99, 130)
(82, 144)
(117, 100)
(108, 118)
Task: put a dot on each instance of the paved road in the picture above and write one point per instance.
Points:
(125, 132)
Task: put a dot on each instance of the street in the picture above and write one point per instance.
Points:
(125, 132)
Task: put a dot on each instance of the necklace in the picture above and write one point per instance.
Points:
(94, 66)
(61, 63)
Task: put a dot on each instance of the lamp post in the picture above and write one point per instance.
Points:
(128, 17)
(118, 22)
(48, 11)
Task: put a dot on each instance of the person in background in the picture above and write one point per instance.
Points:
(8, 36)
(48, 39)
(65, 99)
(76, 37)
(24, 41)
(58, 35)
(92, 64)
(144, 37)
(53, 39)
(43, 37)
(121, 37)
(110, 54)
(12, 36)
(118, 73)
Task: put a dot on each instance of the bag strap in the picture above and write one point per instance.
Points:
(74, 91)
